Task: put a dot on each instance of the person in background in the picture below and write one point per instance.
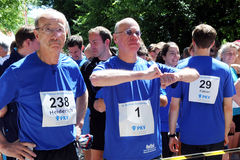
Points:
(24, 45)
(4, 50)
(169, 56)
(154, 50)
(143, 52)
(88, 52)
(100, 39)
(214, 49)
(75, 45)
(228, 54)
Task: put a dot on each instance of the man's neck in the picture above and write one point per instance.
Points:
(127, 57)
(81, 56)
(201, 51)
(51, 59)
(23, 51)
(106, 55)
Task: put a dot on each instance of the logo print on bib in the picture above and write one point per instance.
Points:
(134, 128)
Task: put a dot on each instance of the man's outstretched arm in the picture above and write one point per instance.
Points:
(111, 77)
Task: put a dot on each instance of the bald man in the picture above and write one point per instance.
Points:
(132, 95)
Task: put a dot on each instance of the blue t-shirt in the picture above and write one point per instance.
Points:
(81, 62)
(234, 74)
(125, 138)
(203, 123)
(164, 112)
(23, 82)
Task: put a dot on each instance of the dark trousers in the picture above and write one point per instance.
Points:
(190, 149)
(165, 145)
(66, 153)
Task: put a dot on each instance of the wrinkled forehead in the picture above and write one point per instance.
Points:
(51, 18)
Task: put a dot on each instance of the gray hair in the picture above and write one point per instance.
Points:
(225, 46)
(51, 11)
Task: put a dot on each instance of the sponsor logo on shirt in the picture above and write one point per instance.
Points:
(149, 148)
(138, 128)
(202, 96)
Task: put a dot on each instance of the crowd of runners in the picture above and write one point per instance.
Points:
(137, 102)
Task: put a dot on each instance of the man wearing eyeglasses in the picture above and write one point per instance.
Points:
(50, 93)
(131, 94)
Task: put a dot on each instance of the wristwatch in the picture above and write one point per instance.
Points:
(171, 135)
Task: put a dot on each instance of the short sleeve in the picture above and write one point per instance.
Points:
(81, 85)
(177, 91)
(9, 87)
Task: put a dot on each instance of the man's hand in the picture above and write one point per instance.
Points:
(152, 72)
(99, 105)
(19, 150)
(226, 141)
(174, 144)
(78, 132)
(168, 79)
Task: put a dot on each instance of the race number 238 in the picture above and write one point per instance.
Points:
(59, 102)
(57, 99)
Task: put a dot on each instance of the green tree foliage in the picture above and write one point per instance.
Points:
(160, 20)
(12, 14)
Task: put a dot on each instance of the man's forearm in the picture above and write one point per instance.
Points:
(188, 75)
(173, 114)
(111, 77)
(227, 114)
(81, 104)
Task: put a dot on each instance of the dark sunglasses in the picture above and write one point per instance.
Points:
(129, 32)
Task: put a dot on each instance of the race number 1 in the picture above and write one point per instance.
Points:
(135, 118)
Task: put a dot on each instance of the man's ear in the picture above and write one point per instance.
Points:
(193, 42)
(36, 33)
(26, 43)
(107, 43)
(212, 44)
(115, 38)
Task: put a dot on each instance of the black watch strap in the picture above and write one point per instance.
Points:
(172, 135)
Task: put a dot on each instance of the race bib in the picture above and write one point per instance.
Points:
(135, 118)
(204, 89)
(59, 108)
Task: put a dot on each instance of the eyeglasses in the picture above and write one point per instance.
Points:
(129, 32)
(49, 30)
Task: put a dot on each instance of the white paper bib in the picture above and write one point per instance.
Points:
(135, 118)
(59, 108)
(204, 89)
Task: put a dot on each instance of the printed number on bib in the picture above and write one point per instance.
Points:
(204, 89)
(59, 108)
(135, 118)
